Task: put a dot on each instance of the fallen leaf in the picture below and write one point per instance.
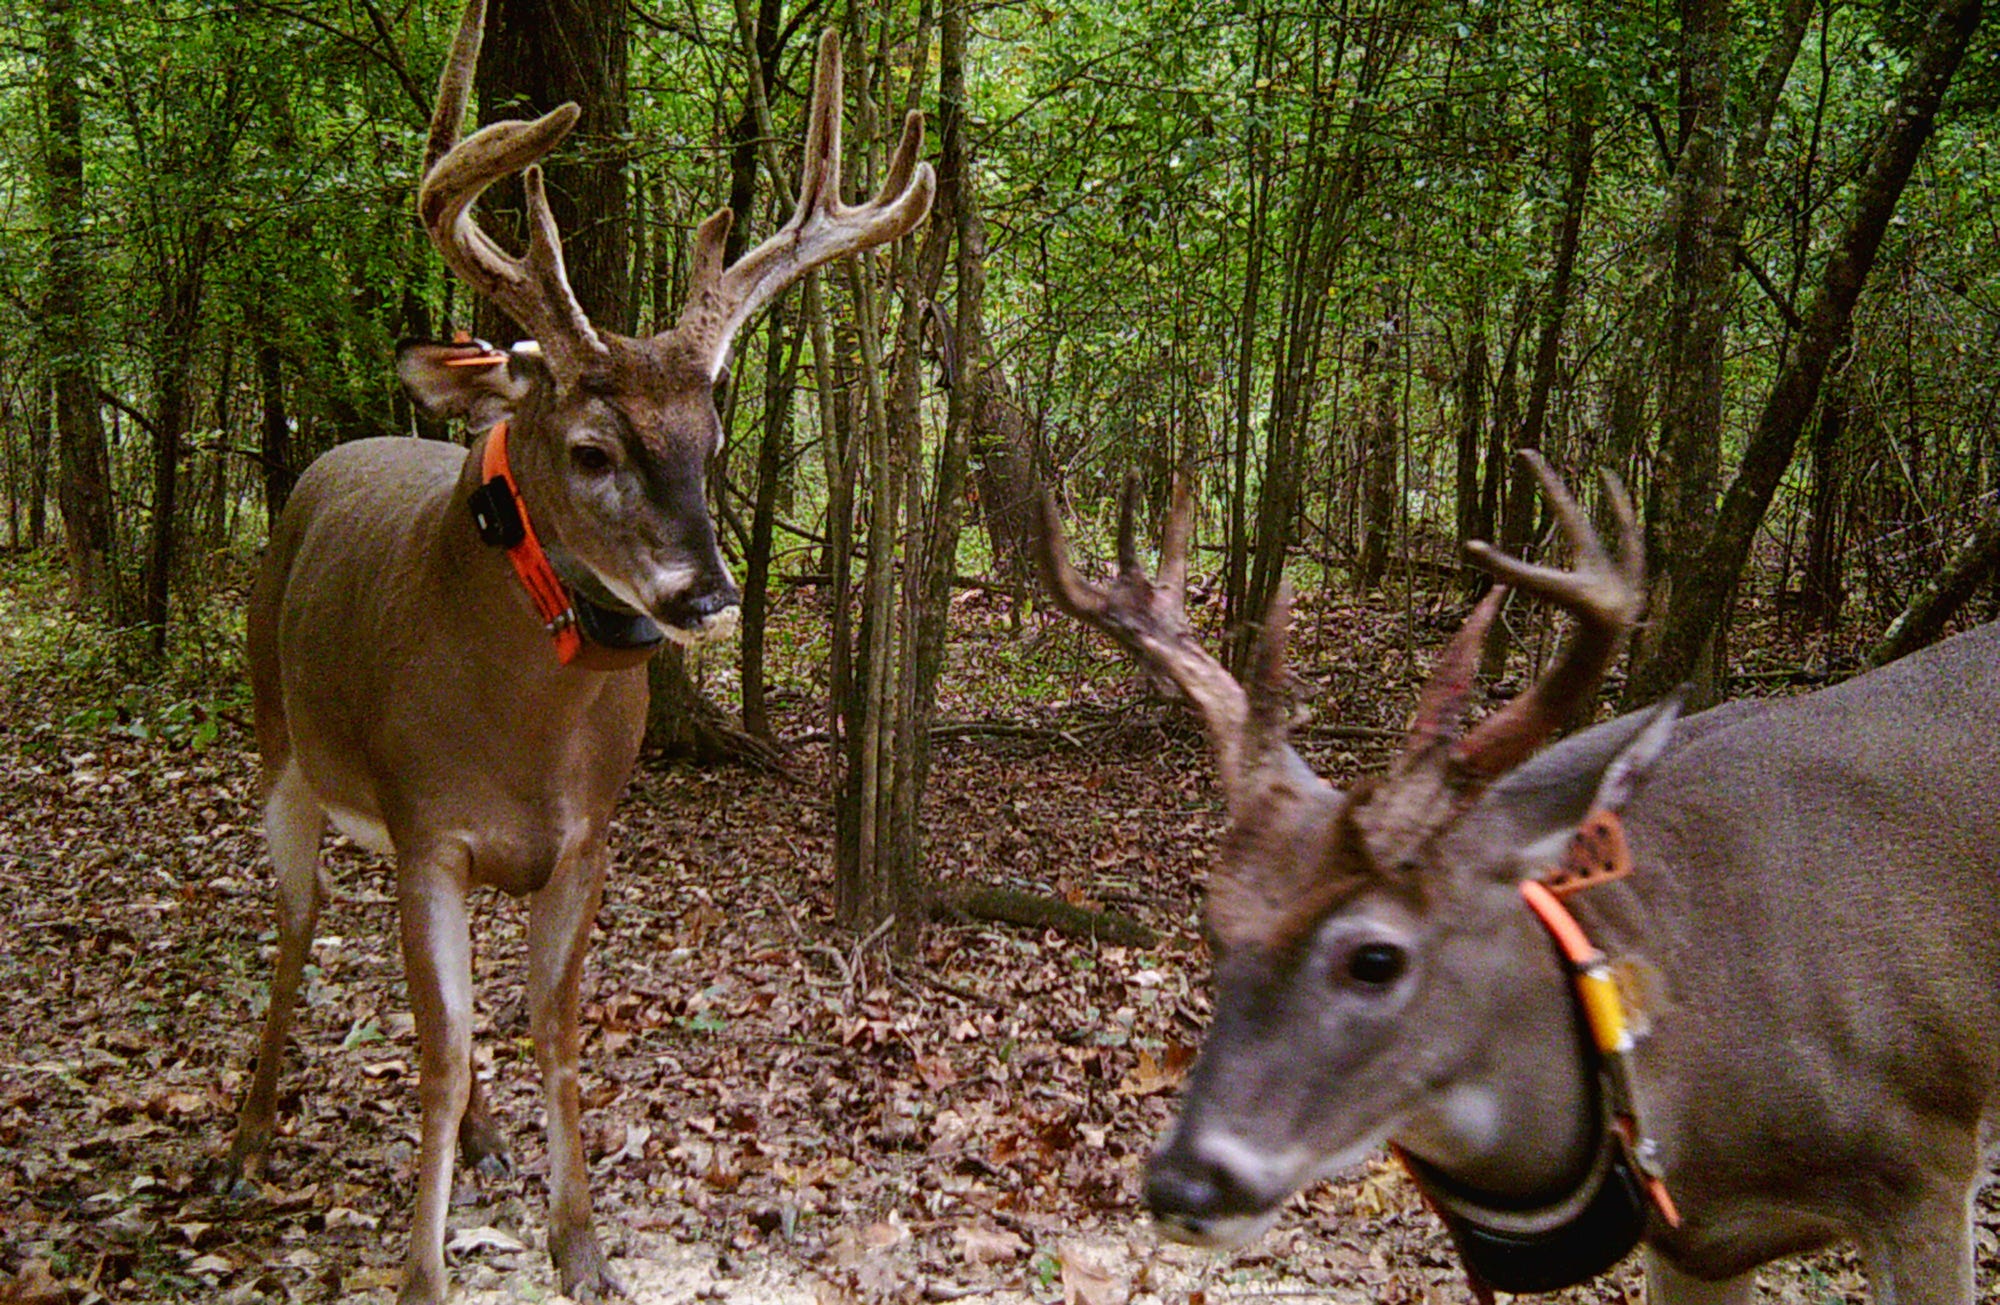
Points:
(988, 1245)
(484, 1238)
(1086, 1283)
(33, 1285)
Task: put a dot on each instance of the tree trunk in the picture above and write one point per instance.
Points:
(1003, 468)
(1517, 530)
(1924, 620)
(1379, 500)
(180, 328)
(275, 433)
(1471, 421)
(1697, 605)
(84, 492)
(1238, 613)
(773, 453)
(539, 54)
(1822, 593)
(1331, 184)
(41, 440)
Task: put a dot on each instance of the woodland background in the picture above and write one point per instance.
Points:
(1334, 261)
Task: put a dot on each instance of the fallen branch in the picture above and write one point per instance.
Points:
(1033, 911)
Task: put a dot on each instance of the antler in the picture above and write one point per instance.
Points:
(1148, 617)
(533, 290)
(821, 228)
(1437, 772)
(1605, 596)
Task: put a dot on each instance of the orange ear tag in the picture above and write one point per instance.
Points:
(1597, 854)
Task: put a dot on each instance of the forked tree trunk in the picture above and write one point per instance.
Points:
(1698, 604)
(914, 526)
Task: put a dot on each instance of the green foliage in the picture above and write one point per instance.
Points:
(1132, 160)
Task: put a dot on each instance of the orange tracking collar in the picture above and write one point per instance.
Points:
(503, 522)
(586, 635)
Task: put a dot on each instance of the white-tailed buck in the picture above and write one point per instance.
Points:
(1462, 957)
(446, 646)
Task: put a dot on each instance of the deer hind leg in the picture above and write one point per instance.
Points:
(1667, 1285)
(559, 920)
(293, 823)
(437, 959)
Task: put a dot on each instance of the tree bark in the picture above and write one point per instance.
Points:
(180, 327)
(1379, 500)
(773, 452)
(539, 54)
(1822, 593)
(84, 492)
(1697, 605)
(275, 432)
(1517, 528)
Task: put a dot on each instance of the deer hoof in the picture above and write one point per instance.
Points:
(585, 1274)
(235, 1177)
(482, 1149)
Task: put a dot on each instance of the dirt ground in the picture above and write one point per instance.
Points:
(775, 1111)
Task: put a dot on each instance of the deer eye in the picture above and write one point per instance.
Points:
(589, 457)
(1376, 964)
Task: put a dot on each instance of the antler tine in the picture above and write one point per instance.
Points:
(1605, 595)
(1441, 711)
(820, 229)
(1148, 618)
(533, 290)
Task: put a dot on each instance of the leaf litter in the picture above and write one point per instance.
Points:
(776, 1112)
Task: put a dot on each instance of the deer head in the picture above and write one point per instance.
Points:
(610, 436)
(1349, 928)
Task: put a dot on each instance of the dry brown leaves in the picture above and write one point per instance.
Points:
(772, 1113)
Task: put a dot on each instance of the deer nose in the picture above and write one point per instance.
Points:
(1189, 1191)
(696, 609)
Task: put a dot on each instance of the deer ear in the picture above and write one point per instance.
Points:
(1545, 799)
(471, 382)
(1621, 779)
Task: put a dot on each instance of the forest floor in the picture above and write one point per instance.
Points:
(775, 1111)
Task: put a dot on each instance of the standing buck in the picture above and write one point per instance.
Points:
(1809, 890)
(446, 646)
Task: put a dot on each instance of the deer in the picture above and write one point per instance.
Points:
(1725, 987)
(446, 643)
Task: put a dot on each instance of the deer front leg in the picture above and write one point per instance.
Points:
(1667, 1285)
(559, 920)
(1924, 1256)
(437, 959)
(293, 823)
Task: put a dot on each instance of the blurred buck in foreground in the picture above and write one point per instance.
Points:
(447, 647)
(1462, 957)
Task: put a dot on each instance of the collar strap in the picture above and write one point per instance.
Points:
(1598, 854)
(1583, 1233)
(503, 523)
